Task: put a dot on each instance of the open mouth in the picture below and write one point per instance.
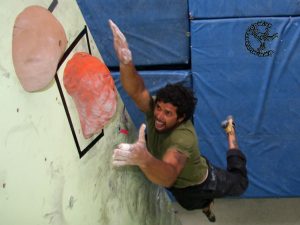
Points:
(159, 124)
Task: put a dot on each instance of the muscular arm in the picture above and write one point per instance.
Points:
(134, 85)
(164, 172)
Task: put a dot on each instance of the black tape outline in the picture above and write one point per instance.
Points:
(81, 153)
(53, 5)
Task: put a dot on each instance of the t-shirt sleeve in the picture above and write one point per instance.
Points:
(183, 141)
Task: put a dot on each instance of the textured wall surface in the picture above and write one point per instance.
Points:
(42, 178)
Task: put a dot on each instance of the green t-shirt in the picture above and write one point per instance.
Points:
(184, 139)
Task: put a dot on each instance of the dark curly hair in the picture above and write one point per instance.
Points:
(179, 96)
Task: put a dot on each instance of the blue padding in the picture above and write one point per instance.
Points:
(242, 8)
(156, 30)
(261, 92)
(154, 80)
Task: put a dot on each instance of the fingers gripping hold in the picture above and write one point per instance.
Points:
(118, 163)
(122, 155)
(125, 146)
(131, 154)
(142, 134)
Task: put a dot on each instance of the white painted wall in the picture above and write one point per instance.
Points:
(42, 179)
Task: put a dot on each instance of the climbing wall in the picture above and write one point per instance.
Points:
(51, 174)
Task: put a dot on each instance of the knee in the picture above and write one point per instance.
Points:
(244, 184)
(241, 186)
(187, 207)
(185, 204)
(194, 204)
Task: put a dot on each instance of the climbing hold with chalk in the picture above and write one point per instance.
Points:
(88, 81)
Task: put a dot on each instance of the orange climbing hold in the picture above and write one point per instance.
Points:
(92, 88)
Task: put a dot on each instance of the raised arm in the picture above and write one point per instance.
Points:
(131, 81)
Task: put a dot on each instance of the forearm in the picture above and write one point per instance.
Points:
(131, 81)
(159, 172)
(162, 172)
(134, 85)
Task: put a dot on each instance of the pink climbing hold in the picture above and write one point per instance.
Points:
(38, 43)
(92, 88)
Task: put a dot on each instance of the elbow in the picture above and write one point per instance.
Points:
(172, 179)
(169, 183)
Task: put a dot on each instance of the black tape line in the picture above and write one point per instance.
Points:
(88, 40)
(53, 5)
(81, 153)
(71, 47)
(67, 113)
(87, 148)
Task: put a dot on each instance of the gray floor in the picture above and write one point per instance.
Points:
(281, 211)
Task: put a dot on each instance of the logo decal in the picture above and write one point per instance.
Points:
(256, 38)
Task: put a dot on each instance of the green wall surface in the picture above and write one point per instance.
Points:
(42, 179)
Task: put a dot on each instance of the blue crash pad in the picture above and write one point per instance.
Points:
(154, 80)
(157, 31)
(200, 9)
(249, 68)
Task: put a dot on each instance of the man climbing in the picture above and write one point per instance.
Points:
(170, 157)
